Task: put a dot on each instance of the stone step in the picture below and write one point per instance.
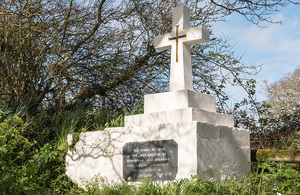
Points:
(180, 115)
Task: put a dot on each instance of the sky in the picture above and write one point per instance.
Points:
(276, 46)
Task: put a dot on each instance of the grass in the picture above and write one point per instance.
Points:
(279, 179)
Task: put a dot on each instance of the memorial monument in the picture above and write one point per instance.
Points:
(179, 135)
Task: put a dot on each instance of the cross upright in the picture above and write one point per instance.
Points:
(179, 41)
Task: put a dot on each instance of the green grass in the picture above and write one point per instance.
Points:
(271, 179)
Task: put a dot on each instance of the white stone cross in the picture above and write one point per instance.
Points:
(180, 41)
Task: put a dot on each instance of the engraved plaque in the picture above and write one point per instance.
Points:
(156, 160)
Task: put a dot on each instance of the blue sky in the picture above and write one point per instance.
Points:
(276, 46)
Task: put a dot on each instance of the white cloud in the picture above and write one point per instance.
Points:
(276, 46)
(273, 39)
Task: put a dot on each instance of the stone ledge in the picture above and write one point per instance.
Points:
(178, 100)
(180, 115)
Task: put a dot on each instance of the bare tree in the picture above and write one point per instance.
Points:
(284, 95)
(56, 52)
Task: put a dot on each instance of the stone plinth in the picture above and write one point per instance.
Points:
(206, 142)
(174, 100)
(203, 149)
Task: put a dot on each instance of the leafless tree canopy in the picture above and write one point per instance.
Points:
(284, 95)
(56, 52)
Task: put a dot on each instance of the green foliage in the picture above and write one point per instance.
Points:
(100, 119)
(32, 153)
(275, 123)
(32, 160)
(270, 131)
(272, 179)
(102, 186)
(15, 149)
(27, 165)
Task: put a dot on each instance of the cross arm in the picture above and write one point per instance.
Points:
(195, 35)
(161, 42)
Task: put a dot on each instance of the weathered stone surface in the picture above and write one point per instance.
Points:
(222, 151)
(200, 146)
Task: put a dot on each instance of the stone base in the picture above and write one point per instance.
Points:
(222, 151)
(204, 149)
